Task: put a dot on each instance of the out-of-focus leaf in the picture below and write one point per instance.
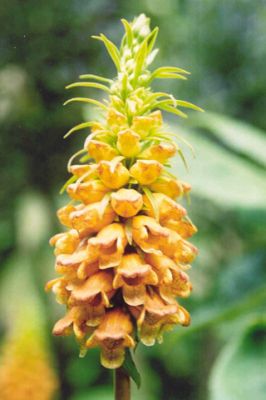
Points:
(239, 372)
(222, 177)
(239, 136)
(103, 393)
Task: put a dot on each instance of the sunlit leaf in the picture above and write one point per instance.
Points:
(89, 85)
(111, 48)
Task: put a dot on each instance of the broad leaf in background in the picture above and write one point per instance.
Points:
(223, 177)
(239, 371)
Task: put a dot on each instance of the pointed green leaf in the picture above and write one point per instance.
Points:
(153, 202)
(173, 110)
(111, 48)
(187, 104)
(72, 179)
(79, 127)
(86, 100)
(151, 39)
(130, 368)
(96, 77)
(89, 84)
(128, 31)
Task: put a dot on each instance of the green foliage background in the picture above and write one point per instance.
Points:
(44, 46)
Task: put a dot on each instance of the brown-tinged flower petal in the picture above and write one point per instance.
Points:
(168, 209)
(144, 124)
(146, 171)
(128, 143)
(87, 192)
(159, 152)
(99, 150)
(63, 215)
(66, 242)
(113, 174)
(68, 264)
(157, 317)
(162, 265)
(148, 234)
(168, 186)
(133, 274)
(98, 288)
(113, 336)
(75, 320)
(92, 217)
(108, 246)
(126, 202)
(86, 269)
(180, 286)
(115, 119)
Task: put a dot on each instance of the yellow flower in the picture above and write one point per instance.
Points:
(115, 119)
(63, 215)
(87, 192)
(26, 371)
(113, 336)
(108, 246)
(144, 124)
(99, 150)
(128, 143)
(146, 171)
(113, 174)
(148, 234)
(126, 202)
(159, 152)
(85, 171)
(133, 274)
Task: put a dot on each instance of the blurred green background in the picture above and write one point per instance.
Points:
(44, 46)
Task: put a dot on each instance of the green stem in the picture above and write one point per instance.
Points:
(121, 384)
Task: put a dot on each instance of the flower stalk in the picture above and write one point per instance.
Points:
(122, 262)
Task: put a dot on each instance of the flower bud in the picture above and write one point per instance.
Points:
(128, 143)
(126, 202)
(146, 171)
(113, 174)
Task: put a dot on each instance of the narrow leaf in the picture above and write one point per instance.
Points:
(152, 38)
(130, 368)
(111, 48)
(128, 31)
(89, 84)
(187, 104)
(96, 77)
(153, 202)
(79, 127)
(173, 110)
(86, 100)
(72, 179)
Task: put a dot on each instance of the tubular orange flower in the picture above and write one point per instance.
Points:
(122, 261)
(113, 336)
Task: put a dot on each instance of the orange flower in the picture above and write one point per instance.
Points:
(133, 274)
(169, 210)
(66, 242)
(108, 246)
(128, 143)
(169, 186)
(159, 152)
(126, 202)
(146, 171)
(99, 150)
(92, 217)
(87, 192)
(148, 234)
(113, 174)
(97, 289)
(75, 321)
(157, 317)
(63, 215)
(113, 336)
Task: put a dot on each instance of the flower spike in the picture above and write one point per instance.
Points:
(122, 262)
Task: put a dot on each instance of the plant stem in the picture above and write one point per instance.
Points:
(122, 384)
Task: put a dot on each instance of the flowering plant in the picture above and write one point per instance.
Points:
(123, 260)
